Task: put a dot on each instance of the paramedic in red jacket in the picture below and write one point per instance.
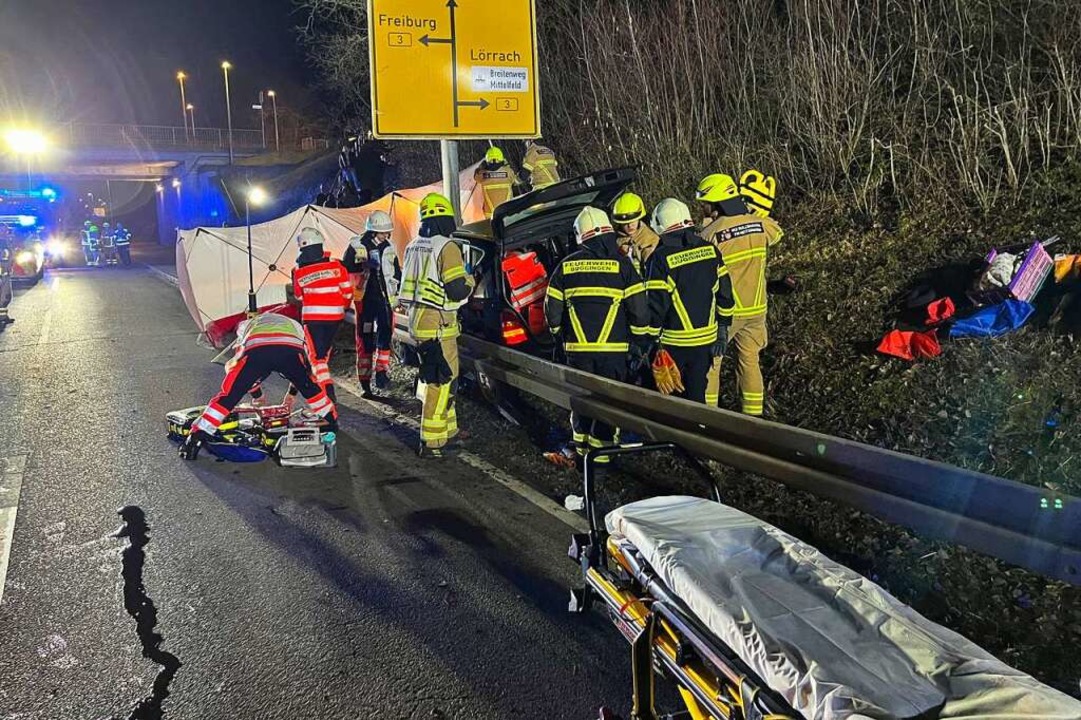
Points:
(324, 290)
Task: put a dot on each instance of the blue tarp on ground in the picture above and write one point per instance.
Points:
(993, 321)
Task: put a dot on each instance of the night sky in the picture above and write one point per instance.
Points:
(114, 61)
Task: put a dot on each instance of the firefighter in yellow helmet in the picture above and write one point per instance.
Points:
(496, 180)
(744, 241)
(541, 164)
(596, 306)
(434, 286)
(636, 239)
(689, 288)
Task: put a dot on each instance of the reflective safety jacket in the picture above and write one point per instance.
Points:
(596, 299)
(527, 279)
(434, 286)
(269, 329)
(688, 283)
(541, 164)
(324, 290)
(744, 242)
(639, 246)
(496, 186)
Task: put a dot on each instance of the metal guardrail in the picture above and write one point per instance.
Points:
(168, 137)
(1020, 524)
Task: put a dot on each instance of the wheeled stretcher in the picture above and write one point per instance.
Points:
(752, 624)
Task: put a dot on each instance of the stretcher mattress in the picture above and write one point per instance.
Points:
(832, 643)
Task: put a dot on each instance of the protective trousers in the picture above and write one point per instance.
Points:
(587, 432)
(254, 367)
(695, 364)
(373, 337)
(319, 340)
(439, 420)
(746, 338)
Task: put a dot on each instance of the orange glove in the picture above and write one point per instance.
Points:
(666, 373)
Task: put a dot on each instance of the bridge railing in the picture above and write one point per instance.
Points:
(164, 136)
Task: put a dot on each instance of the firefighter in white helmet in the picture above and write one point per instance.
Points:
(365, 261)
(596, 306)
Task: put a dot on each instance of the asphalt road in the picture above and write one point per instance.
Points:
(387, 588)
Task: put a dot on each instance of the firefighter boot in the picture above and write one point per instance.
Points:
(193, 444)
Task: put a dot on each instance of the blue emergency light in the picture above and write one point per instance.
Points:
(28, 220)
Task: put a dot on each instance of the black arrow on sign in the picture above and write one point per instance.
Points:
(426, 41)
(482, 103)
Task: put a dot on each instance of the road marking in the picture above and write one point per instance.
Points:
(46, 327)
(527, 493)
(164, 276)
(12, 470)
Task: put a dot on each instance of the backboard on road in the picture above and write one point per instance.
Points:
(454, 69)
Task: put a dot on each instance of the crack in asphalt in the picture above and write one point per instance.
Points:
(141, 608)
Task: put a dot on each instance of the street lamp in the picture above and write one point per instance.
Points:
(26, 142)
(277, 138)
(225, 67)
(180, 77)
(191, 111)
(255, 196)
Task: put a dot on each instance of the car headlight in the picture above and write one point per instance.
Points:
(56, 248)
(24, 256)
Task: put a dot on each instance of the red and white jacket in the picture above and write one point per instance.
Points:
(324, 289)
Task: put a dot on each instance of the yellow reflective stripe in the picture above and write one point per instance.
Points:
(609, 323)
(760, 296)
(744, 312)
(597, 347)
(634, 290)
(681, 310)
(722, 271)
(686, 338)
(738, 257)
(644, 330)
(593, 292)
(556, 293)
(576, 325)
(453, 273)
(448, 332)
(654, 285)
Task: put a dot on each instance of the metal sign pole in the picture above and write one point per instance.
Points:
(451, 186)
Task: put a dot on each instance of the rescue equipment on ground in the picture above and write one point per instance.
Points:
(909, 345)
(1007, 276)
(993, 321)
(252, 434)
(940, 311)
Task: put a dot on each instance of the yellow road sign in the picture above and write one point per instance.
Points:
(454, 68)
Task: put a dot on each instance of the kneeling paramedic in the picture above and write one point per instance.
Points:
(434, 286)
(744, 240)
(323, 287)
(365, 262)
(596, 306)
(268, 343)
(688, 283)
